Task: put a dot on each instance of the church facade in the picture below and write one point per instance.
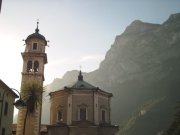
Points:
(81, 109)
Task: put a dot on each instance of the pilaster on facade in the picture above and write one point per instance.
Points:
(69, 109)
(96, 105)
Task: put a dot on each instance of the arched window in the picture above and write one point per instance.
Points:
(60, 115)
(36, 66)
(29, 66)
(6, 109)
(103, 115)
(35, 46)
(82, 112)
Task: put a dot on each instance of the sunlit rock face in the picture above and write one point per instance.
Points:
(141, 69)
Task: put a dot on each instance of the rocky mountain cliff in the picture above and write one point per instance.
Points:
(141, 69)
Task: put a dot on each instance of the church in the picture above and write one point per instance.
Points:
(79, 109)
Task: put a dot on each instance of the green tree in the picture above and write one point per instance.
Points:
(174, 129)
(32, 94)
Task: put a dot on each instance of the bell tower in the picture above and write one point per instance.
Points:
(34, 59)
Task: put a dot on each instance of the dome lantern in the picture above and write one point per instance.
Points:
(36, 35)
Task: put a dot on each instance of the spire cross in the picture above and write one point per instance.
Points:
(37, 23)
(37, 29)
(80, 77)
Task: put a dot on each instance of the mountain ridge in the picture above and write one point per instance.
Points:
(140, 68)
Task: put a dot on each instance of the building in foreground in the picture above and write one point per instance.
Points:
(81, 109)
(7, 97)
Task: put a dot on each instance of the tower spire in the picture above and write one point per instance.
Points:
(37, 29)
(80, 77)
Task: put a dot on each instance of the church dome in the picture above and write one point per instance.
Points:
(36, 35)
(81, 84)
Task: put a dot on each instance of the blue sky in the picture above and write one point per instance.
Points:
(80, 31)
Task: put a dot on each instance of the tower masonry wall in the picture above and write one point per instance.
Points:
(34, 58)
(40, 45)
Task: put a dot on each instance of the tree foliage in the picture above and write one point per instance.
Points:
(174, 129)
(33, 92)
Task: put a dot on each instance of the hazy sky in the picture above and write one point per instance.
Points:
(80, 31)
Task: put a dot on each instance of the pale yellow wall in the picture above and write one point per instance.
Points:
(103, 104)
(40, 54)
(58, 100)
(82, 97)
(90, 98)
(30, 78)
(7, 120)
(41, 45)
(94, 102)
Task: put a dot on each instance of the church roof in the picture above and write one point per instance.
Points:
(81, 84)
(36, 35)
